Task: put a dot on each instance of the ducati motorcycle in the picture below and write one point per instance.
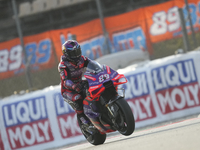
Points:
(107, 110)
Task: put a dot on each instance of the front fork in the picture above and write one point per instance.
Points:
(114, 112)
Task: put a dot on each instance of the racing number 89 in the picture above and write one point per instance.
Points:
(103, 77)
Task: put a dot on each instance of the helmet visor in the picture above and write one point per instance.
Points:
(74, 53)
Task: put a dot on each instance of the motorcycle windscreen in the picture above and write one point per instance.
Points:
(93, 68)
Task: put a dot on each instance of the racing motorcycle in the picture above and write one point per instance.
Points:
(107, 110)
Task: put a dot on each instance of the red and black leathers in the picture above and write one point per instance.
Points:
(71, 79)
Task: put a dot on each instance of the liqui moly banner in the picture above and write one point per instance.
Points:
(39, 120)
(139, 98)
(176, 86)
(161, 90)
(26, 122)
(66, 118)
(166, 89)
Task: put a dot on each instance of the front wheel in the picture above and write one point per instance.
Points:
(96, 139)
(125, 119)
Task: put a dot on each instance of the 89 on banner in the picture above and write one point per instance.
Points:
(12, 61)
(165, 22)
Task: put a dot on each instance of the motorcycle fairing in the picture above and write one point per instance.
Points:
(97, 77)
(103, 76)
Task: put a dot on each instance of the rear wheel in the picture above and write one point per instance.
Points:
(125, 119)
(96, 138)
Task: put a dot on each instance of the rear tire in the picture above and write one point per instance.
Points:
(125, 117)
(95, 139)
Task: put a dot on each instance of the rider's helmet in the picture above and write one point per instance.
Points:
(72, 50)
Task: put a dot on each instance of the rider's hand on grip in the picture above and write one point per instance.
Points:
(78, 87)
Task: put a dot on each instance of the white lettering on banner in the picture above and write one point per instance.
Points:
(45, 129)
(27, 123)
(29, 134)
(128, 39)
(93, 48)
(15, 57)
(3, 61)
(136, 86)
(165, 21)
(160, 25)
(66, 117)
(69, 124)
(27, 140)
(62, 107)
(15, 136)
(141, 108)
(25, 116)
(37, 134)
(23, 112)
(169, 21)
(179, 98)
(11, 60)
(60, 110)
(173, 75)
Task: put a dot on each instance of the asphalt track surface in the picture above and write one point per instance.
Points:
(179, 135)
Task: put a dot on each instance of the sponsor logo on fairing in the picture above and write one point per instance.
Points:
(27, 123)
(66, 117)
(138, 96)
(176, 86)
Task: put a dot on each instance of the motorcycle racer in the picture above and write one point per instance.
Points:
(71, 67)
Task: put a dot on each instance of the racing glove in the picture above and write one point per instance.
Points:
(78, 87)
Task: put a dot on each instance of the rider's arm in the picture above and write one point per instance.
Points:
(67, 83)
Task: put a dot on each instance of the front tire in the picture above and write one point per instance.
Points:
(95, 139)
(125, 118)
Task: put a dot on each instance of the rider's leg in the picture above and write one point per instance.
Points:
(75, 100)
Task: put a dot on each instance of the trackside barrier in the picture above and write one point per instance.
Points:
(161, 90)
(164, 89)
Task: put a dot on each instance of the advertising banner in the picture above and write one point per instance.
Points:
(137, 93)
(176, 86)
(66, 118)
(38, 120)
(26, 123)
(164, 89)
(38, 50)
(163, 19)
(89, 36)
(161, 90)
(136, 29)
(128, 33)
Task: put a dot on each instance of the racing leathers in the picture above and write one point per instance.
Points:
(71, 81)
